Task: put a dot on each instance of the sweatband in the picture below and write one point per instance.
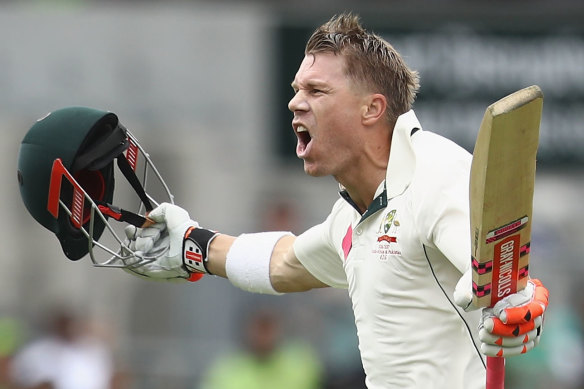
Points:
(196, 249)
(248, 261)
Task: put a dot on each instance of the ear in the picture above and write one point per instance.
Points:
(374, 109)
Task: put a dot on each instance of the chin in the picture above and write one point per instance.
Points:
(313, 171)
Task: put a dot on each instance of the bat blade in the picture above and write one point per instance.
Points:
(501, 203)
(501, 195)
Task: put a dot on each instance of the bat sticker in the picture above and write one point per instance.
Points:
(507, 229)
(505, 273)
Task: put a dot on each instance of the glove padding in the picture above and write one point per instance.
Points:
(514, 325)
(162, 241)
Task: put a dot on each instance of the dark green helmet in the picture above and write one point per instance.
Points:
(66, 175)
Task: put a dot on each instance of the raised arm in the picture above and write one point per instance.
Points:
(261, 262)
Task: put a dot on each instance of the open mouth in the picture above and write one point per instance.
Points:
(304, 139)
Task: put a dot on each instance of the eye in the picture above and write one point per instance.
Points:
(315, 91)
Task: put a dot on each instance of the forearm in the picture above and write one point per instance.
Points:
(286, 273)
(261, 262)
(218, 250)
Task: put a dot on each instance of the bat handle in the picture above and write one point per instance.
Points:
(495, 373)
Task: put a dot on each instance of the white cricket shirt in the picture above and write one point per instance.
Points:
(400, 262)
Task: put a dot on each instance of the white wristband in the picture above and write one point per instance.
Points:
(248, 261)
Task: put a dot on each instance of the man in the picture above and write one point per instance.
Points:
(397, 239)
(265, 361)
(66, 356)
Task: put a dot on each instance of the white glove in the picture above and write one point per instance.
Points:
(514, 325)
(163, 241)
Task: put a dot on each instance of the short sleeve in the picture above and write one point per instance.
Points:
(315, 249)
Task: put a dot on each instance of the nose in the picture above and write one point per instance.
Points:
(298, 102)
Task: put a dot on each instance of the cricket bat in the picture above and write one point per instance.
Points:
(502, 182)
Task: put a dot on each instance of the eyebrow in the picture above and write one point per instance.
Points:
(310, 84)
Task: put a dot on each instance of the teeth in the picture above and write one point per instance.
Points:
(301, 129)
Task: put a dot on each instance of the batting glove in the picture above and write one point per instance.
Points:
(514, 325)
(177, 243)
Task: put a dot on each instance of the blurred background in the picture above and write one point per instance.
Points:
(204, 86)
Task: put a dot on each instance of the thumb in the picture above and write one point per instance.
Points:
(170, 214)
(158, 214)
(463, 291)
(130, 232)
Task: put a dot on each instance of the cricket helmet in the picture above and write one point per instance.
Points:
(66, 179)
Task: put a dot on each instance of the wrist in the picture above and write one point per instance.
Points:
(196, 250)
(218, 250)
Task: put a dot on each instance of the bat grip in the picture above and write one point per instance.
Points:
(495, 373)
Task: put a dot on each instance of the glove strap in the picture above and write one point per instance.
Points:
(196, 249)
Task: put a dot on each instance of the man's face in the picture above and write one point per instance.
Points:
(327, 110)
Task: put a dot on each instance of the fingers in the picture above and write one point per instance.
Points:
(496, 327)
(130, 232)
(504, 346)
(158, 214)
(146, 238)
(170, 214)
(146, 241)
(513, 326)
(506, 341)
(154, 231)
(517, 311)
(523, 314)
(159, 248)
(497, 351)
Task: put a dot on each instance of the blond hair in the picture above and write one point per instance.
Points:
(369, 59)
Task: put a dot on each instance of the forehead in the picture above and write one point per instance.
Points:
(321, 68)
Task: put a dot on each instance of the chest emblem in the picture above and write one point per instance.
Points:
(386, 243)
(388, 220)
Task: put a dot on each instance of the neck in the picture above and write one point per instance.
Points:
(363, 195)
(362, 181)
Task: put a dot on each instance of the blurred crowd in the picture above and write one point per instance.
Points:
(286, 342)
(66, 351)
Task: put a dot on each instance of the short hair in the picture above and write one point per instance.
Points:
(370, 60)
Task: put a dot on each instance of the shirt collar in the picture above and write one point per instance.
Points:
(379, 202)
(402, 160)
